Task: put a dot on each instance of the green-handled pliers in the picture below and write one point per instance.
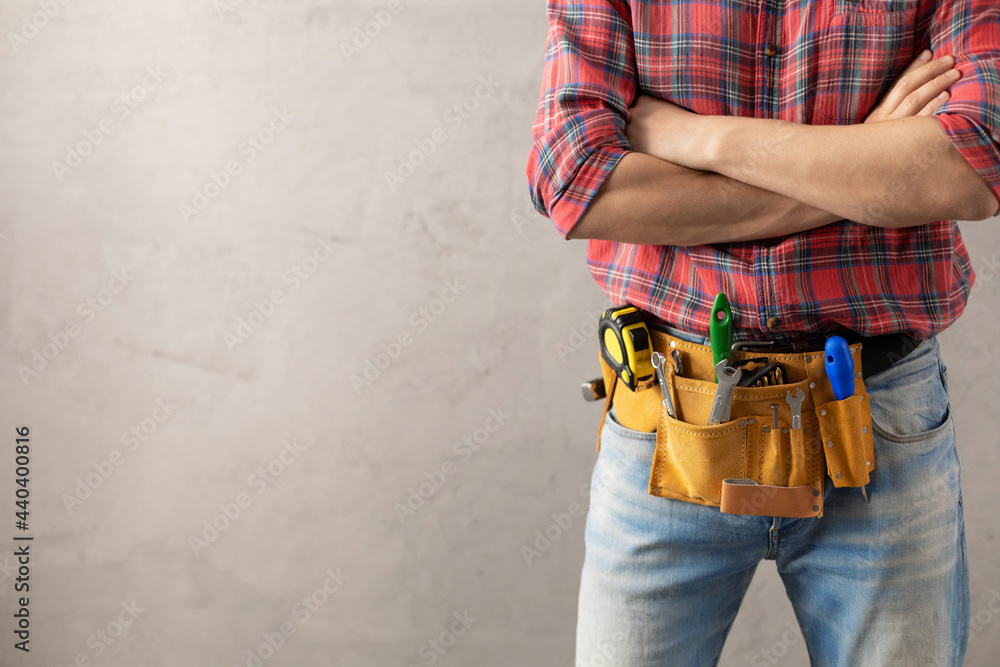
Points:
(720, 330)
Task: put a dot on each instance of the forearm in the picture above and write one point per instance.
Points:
(893, 173)
(648, 201)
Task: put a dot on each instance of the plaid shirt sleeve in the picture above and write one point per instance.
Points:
(588, 83)
(970, 31)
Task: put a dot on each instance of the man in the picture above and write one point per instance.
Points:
(809, 159)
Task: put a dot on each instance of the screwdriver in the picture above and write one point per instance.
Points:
(840, 370)
(720, 330)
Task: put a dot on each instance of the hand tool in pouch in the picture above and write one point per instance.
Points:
(658, 361)
(767, 376)
(795, 403)
(839, 367)
(593, 390)
(840, 370)
(720, 330)
(723, 403)
(626, 346)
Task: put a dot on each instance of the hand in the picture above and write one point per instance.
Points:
(919, 90)
(664, 130)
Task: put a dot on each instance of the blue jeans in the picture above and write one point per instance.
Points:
(884, 583)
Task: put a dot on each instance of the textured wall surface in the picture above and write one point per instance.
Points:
(279, 398)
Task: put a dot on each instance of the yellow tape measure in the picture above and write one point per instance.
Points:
(626, 346)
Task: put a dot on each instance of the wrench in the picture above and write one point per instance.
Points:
(722, 405)
(795, 403)
(657, 359)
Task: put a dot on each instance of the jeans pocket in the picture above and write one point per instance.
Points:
(909, 400)
(622, 468)
(627, 432)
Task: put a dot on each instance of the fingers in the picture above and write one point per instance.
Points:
(920, 75)
(934, 105)
(919, 85)
(928, 94)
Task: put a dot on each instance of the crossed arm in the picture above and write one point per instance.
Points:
(692, 179)
(610, 163)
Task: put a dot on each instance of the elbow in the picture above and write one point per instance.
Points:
(980, 204)
(966, 194)
(583, 229)
(965, 198)
(971, 199)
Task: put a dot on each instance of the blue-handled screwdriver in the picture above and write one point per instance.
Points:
(840, 371)
(839, 367)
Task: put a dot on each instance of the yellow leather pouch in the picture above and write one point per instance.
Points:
(755, 462)
(845, 427)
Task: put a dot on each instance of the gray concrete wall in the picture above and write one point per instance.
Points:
(200, 359)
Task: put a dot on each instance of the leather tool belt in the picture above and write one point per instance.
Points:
(751, 464)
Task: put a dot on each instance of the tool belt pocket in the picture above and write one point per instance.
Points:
(846, 434)
(750, 464)
(690, 460)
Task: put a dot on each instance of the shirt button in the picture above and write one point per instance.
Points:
(773, 322)
(770, 50)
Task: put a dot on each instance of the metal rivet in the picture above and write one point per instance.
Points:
(838, 475)
(815, 508)
(862, 396)
(830, 443)
(752, 421)
(815, 492)
(784, 430)
(858, 374)
(766, 429)
(673, 343)
(742, 422)
(812, 385)
(864, 429)
(868, 464)
(823, 412)
(808, 359)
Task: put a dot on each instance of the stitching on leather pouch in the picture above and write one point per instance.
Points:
(659, 454)
(788, 464)
(658, 459)
(697, 389)
(817, 453)
(678, 493)
(743, 459)
(711, 392)
(760, 396)
(735, 427)
(760, 448)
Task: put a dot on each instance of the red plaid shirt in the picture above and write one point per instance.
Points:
(834, 60)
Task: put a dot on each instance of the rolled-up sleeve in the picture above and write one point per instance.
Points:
(588, 83)
(970, 31)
